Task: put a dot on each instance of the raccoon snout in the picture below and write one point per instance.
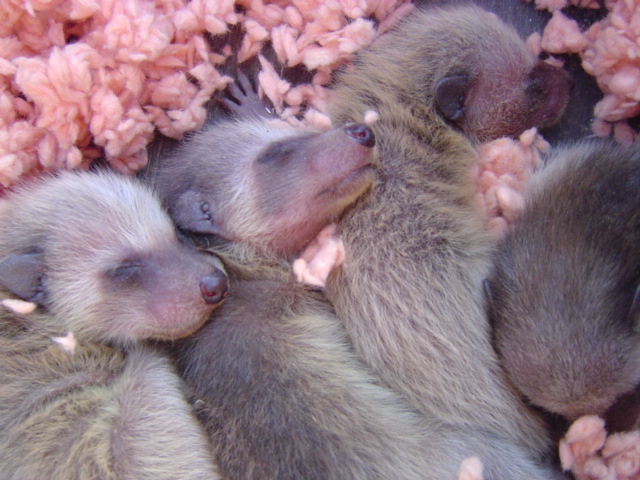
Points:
(361, 134)
(214, 287)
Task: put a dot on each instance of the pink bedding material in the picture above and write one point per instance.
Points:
(504, 167)
(591, 454)
(81, 79)
(610, 52)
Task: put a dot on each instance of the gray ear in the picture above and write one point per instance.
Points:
(22, 275)
(191, 212)
(450, 94)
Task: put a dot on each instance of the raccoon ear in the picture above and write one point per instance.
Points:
(22, 275)
(192, 213)
(450, 94)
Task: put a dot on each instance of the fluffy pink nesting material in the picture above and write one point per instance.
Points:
(553, 5)
(80, 79)
(610, 52)
(324, 254)
(321, 35)
(590, 454)
(471, 469)
(85, 78)
(504, 169)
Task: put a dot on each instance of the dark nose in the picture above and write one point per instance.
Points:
(214, 287)
(361, 134)
(545, 78)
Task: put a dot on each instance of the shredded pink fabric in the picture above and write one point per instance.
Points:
(562, 35)
(82, 79)
(590, 454)
(504, 168)
(319, 34)
(553, 5)
(471, 469)
(322, 255)
(610, 52)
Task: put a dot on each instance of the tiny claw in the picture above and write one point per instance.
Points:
(243, 100)
(245, 84)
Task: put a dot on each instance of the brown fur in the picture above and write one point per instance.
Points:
(479, 76)
(273, 377)
(293, 401)
(114, 408)
(417, 251)
(564, 305)
(283, 396)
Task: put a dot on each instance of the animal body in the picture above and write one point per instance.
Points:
(294, 401)
(564, 293)
(82, 396)
(417, 250)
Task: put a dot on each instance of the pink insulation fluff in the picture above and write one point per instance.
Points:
(322, 255)
(553, 5)
(504, 168)
(80, 79)
(321, 35)
(83, 79)
(610, 52)
(471, 469)
(590, 454)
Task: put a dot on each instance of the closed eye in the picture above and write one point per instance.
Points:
(280, 152)
(125, 272)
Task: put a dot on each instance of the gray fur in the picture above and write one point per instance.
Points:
(295, 402)
(114, 408)
(238, 170)
(417, 250)
(273, 376)
(564, 306)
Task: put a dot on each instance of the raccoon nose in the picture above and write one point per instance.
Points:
(213, 287)
(361, 134)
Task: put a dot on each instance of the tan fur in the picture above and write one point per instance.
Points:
(114, 408)
(99, 414)
(274, 378)
(417, 251)
(505, 89)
